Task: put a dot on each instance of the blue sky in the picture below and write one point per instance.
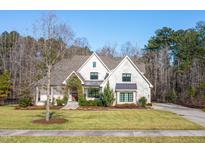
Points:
(104, 27)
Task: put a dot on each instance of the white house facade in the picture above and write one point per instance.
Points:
(125, 77)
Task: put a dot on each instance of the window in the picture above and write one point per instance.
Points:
(94, 64)
(126, 77)
(94, 93)
(94, 75)
(126, 97)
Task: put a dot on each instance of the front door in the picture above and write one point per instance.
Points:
(74, 94)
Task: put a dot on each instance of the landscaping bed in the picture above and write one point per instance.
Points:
(34, 107)
(51, 121)
(92, 108)
(118, 106)
(86, 107)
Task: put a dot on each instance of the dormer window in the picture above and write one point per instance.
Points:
(94, 75)
(126, 77)
(94, 64)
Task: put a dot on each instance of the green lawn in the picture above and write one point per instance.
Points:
(89, 139)
(96, 120)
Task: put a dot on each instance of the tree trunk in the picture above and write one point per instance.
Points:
(48, 93)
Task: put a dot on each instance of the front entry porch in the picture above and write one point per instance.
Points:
(73, 94)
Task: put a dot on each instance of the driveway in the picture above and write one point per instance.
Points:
(195, 115)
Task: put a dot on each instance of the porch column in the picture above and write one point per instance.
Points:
(116, 99)
(51, 94)
(37, 92)
(69, 96)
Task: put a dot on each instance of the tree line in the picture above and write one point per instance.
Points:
(25, 59)
(175, 65)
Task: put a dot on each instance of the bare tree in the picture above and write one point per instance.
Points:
(108, 50)
(81, 42)
(51, 30)
(130, 50)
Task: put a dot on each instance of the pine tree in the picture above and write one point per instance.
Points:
(108, 95)
(5, 86)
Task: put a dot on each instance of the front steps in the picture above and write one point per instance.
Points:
(71, 105)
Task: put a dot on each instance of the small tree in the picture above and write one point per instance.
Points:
(108, 95)
(55, 37)
(5, 86)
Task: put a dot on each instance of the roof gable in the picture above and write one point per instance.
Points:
(94, 54)
(132, 63)
(65, 67)
(79, 77)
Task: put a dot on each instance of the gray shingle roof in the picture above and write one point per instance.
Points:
(93, 83)
(62, 69)
(110, 62)
(129, 86)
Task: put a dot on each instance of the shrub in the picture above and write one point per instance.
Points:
(143, 101)
(25, 102)
(100, 102)
(171, 96)
(61, 102)
(84, 102)
(149, 104)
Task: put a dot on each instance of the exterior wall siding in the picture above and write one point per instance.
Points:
(88, 67)
(143, 88)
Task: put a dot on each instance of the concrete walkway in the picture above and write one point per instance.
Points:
(195, 115)
(119, 133)
(71, 105)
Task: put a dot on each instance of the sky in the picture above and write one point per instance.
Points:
(106, 27)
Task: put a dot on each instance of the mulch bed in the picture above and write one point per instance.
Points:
(100, 108)
(37, 107)
(86, 108)
(92, 108)
(51, 121)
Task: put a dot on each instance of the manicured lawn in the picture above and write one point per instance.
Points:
(27, 139)
(96, 120)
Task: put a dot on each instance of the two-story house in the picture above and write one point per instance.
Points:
(125, 77)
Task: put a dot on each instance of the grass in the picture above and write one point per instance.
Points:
(96, 120)
(95, 139)
(203, 109)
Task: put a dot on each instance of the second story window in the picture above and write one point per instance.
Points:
(126, 77)
(94, 64)
(94, 75)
